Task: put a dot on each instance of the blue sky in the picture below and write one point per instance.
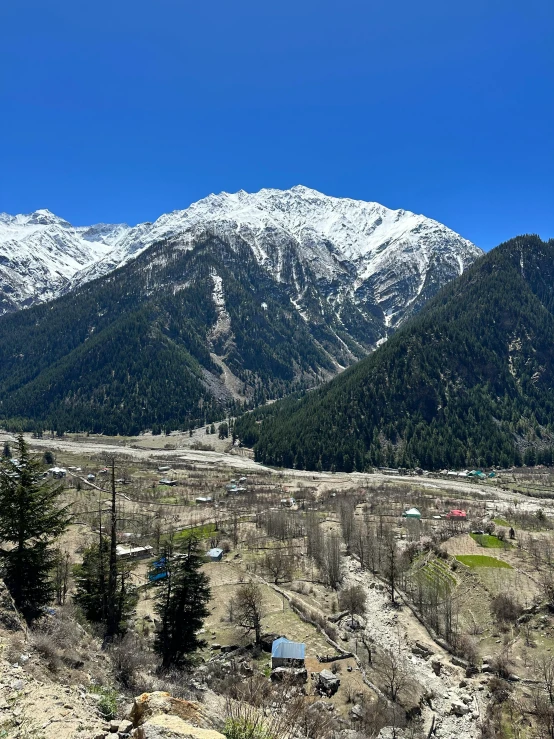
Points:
(120, 111)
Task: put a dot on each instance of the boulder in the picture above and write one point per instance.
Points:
(458, 708)
(165, 726)
(459, 662)
(327, 683)
(266, 641)
(292, 675)
(154, 704)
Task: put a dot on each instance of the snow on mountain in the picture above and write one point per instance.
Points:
(39, 253)
(391, 260)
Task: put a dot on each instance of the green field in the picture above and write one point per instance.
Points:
(481, 560)
(489, 542)
(197, 532)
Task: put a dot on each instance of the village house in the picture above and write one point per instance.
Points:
(133, 552)
(456, 515)
(285, 653)
(215, 554)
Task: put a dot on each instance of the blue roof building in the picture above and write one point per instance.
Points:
(285, 653)
(215, 554)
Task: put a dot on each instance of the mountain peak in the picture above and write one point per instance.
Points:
(363, 246)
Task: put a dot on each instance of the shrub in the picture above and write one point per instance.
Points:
(47, 649)
(128, 654)
(241, 728)
(505, 609)
(107, 701)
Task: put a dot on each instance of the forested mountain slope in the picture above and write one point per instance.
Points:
(243, 298)
(469, 381)
(172, 338)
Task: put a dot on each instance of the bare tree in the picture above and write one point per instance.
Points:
(347, 507)
(544, 669)
(331, 564)
(360, 543)
(61, 576)
(280, 564)
(353, 600)
(390, 563)
(248, 609)
(393, 672)
(314, 537)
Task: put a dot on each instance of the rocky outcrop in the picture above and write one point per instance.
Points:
(166, 726)
(148, 705)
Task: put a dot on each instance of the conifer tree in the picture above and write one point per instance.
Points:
(91, 592)
(31, 519)
(181, 605)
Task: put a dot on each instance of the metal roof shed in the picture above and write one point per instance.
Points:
(287, 653)
(215, 554)
(412, 513)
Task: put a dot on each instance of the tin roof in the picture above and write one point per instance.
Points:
(284, 649)
(216, 552)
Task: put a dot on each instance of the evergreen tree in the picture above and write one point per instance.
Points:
(181, 605)
(91, 578)
(31, 519)
(7, 452)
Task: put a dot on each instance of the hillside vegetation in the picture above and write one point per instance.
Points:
(144, 346)
(467, 382)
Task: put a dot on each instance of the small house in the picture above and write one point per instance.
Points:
(132, 552)
(285, 653)
(57, 472)
(169, 483)
(203, 500)
(215, 554)
(287, 502)
(457, 515)
(412, 513)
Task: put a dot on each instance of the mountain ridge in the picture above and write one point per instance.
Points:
(362, 249)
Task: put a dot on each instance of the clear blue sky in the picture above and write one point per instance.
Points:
(120, 111)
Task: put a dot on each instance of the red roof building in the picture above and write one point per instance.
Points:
(457, 515)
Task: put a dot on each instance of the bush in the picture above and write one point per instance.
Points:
(128, 654)
(47, 649)
(505, 609)
(466, 648)
(241, 728)
(107, 701)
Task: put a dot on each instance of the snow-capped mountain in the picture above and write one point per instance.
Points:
(39, 253)
(385, 261)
